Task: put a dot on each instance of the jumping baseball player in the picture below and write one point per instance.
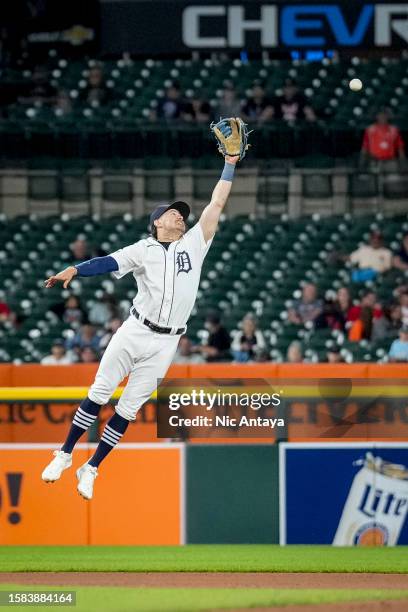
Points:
(166, 267)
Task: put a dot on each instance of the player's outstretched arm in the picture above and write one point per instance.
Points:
(211, 213)
(92, 267)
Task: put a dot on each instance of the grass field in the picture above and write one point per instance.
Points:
(192, 600)
(203, 558)
(206, 558)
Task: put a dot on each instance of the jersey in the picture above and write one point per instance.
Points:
(167, 279)
(383, 141)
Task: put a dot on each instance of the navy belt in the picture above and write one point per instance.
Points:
(175, 331)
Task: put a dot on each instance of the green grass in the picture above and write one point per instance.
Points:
(192, 600)
(203, 558)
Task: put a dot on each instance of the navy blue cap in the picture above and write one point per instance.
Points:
(182, 207)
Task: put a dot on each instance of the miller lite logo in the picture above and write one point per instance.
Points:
(376, 506)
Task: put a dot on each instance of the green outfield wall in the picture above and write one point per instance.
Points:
(232, 494)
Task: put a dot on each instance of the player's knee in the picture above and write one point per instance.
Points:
(100, 393)
(126, 411)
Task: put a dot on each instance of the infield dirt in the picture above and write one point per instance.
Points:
(313, 580)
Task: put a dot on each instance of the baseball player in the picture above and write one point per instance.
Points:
(166, 267)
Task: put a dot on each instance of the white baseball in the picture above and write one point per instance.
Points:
(355, 85)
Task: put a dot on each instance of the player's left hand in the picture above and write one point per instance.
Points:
(65, 277)
(232, 159)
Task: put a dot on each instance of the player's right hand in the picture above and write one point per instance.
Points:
(65, 277)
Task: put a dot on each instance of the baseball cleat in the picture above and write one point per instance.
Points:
(62, 461)
(86, 475)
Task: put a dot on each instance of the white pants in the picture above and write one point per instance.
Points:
(137, 351)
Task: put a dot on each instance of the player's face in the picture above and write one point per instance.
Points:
(172, 221)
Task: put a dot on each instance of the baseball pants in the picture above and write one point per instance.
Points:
(138, 352)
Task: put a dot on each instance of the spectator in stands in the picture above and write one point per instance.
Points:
(403, 300)
(343, 301)
(217, 347)
(41, 91)
(371, 259)
(70, 311)
(185, 352)
(249, 342)
(103, 309)
(58, 355)
(333, 355)
(399, 348)
(330, 316)
(262, 356)
(368, 300)
(111, 327)
(80, 250)
(258, 108)
(308, 308)
(389, 324)
(63, 105)
(73, 313)
(6, 314)
(96, 91)
(362, 315)
(88, 355)
(170, 107)
(292, 105)
(400, 259)
(87, 336)
(294, 353)
(382, 141)
(229, 105)
(197, 109)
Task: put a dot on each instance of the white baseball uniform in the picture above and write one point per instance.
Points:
(167, 282)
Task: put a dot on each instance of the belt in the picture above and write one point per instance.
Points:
(174, 331)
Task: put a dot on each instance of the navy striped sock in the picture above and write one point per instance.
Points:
(83, 419)
(114, 430)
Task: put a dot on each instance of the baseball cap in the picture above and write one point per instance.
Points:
(182, 207)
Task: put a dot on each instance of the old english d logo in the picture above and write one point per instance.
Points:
(183, 262)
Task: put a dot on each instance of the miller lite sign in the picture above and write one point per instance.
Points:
(376, 506)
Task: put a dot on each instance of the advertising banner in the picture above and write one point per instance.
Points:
(141, 481)
(345, 494)
(181, 26)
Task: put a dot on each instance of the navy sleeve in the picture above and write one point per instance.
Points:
(98, 265)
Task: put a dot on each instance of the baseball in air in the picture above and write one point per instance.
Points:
(355, 85)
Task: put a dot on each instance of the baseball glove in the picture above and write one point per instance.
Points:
(232, 136)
